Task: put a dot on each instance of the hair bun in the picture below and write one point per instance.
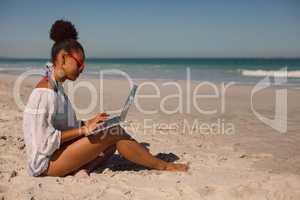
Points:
(62, 30)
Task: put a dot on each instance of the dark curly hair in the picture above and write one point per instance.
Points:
(65, 36)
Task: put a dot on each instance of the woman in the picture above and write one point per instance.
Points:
(57, 144)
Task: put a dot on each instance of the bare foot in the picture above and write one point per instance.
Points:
(82, 173)
(177, 167)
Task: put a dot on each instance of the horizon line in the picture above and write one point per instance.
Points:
(170, 57)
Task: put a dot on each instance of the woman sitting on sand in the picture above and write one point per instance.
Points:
(57, 144)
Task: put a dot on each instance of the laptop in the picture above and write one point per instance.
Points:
(117, 120)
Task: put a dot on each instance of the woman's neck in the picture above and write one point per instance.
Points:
(58, 76)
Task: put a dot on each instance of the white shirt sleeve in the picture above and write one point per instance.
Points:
(41, 138)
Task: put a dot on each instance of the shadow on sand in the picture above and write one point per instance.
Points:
(118, 163)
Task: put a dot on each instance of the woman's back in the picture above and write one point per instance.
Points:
(47, 114)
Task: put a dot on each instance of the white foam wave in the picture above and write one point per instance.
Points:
(16, 69)
(274, 73)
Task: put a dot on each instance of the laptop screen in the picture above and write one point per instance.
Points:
(128, 102)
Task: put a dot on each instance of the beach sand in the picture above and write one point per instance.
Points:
(254, 161)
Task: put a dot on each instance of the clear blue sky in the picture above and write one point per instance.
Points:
(166, 28)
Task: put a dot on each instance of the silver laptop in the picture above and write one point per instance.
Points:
(117, 120)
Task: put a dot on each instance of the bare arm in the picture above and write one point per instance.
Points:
(84, 129)
(72, 134)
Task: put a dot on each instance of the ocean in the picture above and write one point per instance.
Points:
(238, 70)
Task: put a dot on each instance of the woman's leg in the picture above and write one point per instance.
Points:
(86, 149)
(134, 152)
(101, 159)
(70, 158)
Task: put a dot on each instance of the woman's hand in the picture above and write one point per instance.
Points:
(98, 118)
(92, 124)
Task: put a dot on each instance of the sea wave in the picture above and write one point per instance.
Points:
(17, 69)
(274, 73)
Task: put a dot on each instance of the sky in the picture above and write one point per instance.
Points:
(151, 28)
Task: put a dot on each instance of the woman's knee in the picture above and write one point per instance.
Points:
(110, 150)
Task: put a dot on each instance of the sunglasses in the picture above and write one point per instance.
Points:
(80, 64)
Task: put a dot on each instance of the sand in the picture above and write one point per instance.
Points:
(253, 161)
